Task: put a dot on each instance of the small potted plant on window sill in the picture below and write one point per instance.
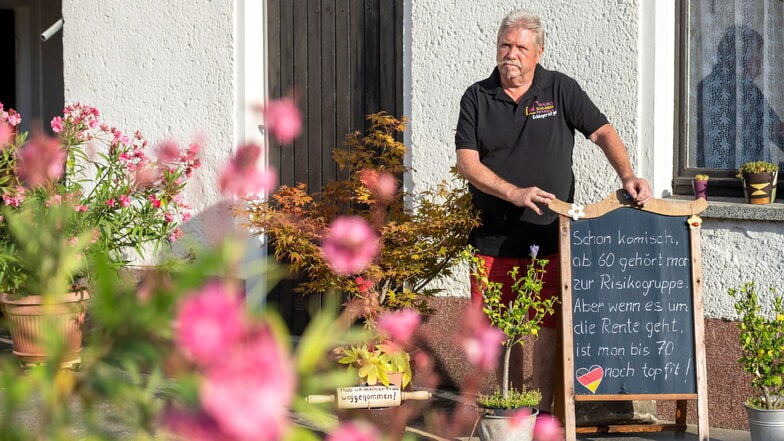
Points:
(759, 181)
(762, 346)
(513, 319)
(700, 186)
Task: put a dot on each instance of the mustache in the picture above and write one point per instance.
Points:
(509, 62)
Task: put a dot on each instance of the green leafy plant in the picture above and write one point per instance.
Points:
(421, 236)
(44, 249)
(513, 319)
(757, 167)
(514, 399)
(762, 345)
(375, 363)
(108, 181)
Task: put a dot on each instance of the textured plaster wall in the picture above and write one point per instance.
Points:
(165, 68)
(735, 252)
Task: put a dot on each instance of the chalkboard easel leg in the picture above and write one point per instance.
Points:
(680, 415)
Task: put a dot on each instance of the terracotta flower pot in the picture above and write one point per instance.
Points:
(29, 317)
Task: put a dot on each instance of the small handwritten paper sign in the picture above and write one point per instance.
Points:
(365, 397)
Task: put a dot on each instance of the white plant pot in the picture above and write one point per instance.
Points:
(507, 428)
(765, 425)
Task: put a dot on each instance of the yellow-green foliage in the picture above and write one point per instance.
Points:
(421, 234)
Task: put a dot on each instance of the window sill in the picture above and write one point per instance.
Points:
(737, 208)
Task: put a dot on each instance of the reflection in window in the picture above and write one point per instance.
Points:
(735, 82)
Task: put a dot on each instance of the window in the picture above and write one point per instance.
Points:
(732, 93)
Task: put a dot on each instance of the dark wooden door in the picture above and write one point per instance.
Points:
(342, 60)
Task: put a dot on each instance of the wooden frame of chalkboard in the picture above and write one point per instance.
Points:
(631, 308)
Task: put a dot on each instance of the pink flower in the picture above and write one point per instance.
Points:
(382, 185)
(80, 208)
(480, 341)
(192, 426)
(208, 321)
(350, 245)
(124, 200)
(249, 391)
(111, 202)
(168, 217)
(6, 134)
(168, 151)
(400, 325)
(519, 417)
(548, 428)
(282, 119)
(242, 177)
(154, 201)
(363, 285)
(145, 176)
(41, 160)
(354, 431)
(57, 124)
(12, 117)
(176, 235)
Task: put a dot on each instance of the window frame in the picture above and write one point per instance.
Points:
(723, 182)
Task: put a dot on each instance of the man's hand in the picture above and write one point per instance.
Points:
(638, 189)
(529, 197)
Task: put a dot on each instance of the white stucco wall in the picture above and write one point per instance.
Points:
(165, 68)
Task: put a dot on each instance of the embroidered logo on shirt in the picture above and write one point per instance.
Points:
(539, 110)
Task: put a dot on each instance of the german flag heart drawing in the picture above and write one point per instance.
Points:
(590, 377)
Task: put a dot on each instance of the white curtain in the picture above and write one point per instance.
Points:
(736, 68)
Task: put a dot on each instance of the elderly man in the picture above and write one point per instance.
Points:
(514, 140)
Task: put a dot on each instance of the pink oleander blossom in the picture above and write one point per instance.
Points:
(399, 325)
(242, 176)
(208, 321)
(480, 341)
(192, 426)
(282, 119)
(354, 431)
(548, 428)
(168, 151)
(41, 160)
(382, 185)
(176, 235)
(350, 245)
(6, 134)
(519, 417)
(249, 391)
(124, 200)
(57, 124)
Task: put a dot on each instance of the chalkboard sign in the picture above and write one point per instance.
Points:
(632, 308)
(631, 305)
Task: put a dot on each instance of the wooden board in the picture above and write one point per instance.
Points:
(632, 314)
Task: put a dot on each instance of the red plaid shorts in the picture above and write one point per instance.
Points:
(498, 271)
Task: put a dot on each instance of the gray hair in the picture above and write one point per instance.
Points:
(522, 19)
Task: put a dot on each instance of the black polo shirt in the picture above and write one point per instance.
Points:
(527, 144)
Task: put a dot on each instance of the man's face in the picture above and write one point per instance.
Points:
(518, 54)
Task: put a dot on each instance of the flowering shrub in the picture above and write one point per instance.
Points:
(762, 345)
(358, 236)
(180, 354)
(124, 197)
